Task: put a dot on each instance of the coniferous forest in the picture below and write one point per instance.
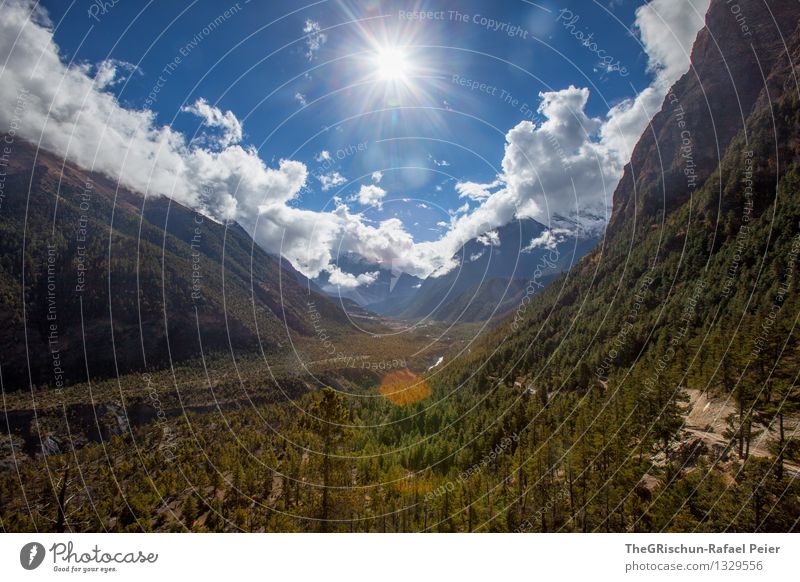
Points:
(165, 368)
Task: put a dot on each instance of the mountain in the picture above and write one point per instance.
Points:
(685, 257)
(385, 284)
(731, 222)
(98, 281)
(493, 273)
(705, 109)
(652, 388)
(690, 304)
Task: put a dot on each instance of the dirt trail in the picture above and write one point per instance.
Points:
(705, 419)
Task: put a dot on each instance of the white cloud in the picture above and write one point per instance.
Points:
(111, 72)
(377, 177)
(563, 173)
(68, 109)
(331, 180)
(323, 156)
(667, 29)
(315, 38)
(490, 239)
(371, 195)
(301, 99)
(560, 171)
(439, 163)
(549, 239)
(339, 278)
(70, 113)
(464, 208)
(214, 117)
(475, 191)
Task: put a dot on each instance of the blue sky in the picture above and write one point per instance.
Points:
(399, 118)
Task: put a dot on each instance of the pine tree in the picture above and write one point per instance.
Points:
(328, 419)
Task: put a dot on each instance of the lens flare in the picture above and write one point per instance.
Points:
(392, 64)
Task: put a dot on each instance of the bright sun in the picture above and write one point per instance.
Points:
(392, 64)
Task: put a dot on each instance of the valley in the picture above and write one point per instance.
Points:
(162, 372)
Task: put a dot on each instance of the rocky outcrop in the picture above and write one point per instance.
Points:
(738, 48)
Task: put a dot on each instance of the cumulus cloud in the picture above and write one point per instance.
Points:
(315, 38)
(563, 172)
(214, 117)
(112, 72)
(560, 171)
(344, 280)
(371, 195)
(377, 177)
(667, 29)
(330, 181)
(475, 191)
(566, 167)
(549, 239)
(301, 99)
(74, 116)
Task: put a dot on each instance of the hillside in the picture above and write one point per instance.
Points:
(103, 281)
(651, 387)
(723, 249)
(694, 290)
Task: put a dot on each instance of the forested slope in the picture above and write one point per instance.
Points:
(95, 276)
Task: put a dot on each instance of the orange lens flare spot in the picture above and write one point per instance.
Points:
(404, 387)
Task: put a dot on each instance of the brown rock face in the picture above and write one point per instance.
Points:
(742, 42)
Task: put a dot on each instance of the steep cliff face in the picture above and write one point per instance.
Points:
(685, 142)
(695, 290)
(681, 261)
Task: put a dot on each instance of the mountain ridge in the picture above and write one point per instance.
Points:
(110, 267)
(700, 103)
(493, 270)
